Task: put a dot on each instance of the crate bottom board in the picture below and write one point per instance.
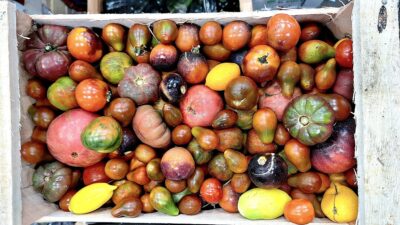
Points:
(214, 216)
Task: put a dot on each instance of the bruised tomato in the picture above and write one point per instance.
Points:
(283, 32)
(84, 44)
(211, 190)
(344, 53)
(236, 35)
(299, 211)
(92, 94)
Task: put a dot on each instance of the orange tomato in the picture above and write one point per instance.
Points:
(84, 44)
(92, 94)
(299, 211)
(283, 32)
(211, 190)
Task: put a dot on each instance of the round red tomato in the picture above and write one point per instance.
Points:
(283, 32)
(344, 53)
(33, 151)
(299, 211)
(261, 63)
(95, 174)
(92, 94)
(84, 44)
(211, 190)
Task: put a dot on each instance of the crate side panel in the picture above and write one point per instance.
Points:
(376, 40)
(215, 216)
(10, 167)
(91, 20)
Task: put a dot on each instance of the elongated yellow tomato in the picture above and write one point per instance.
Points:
(91, 197)
(219, 77)
(259, 203)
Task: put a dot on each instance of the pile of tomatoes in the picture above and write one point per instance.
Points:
(203, 113)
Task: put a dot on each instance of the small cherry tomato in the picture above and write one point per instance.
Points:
(116, 169)
(211, 190)
(92, 94)
(43, 116)
(95, 174)
(65, 199)
(33, 152)
(121, 109)
(36, 89)
(181, 135)
(299, 211)
(210, 33)
(344, 53)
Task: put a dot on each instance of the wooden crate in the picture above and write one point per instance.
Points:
(376, 67)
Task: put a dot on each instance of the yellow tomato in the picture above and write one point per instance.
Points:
(219, 76)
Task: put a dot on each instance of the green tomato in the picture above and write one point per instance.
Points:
(103, 134)
(52, 180)
(309, 118)
(113, 65)
(61, 94)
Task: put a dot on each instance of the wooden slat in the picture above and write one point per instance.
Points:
(246, 5)
(377, 99)
(10, 163)
(94, 6)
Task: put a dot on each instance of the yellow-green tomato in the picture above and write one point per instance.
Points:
(259, 203)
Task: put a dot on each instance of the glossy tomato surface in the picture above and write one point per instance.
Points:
(299, 211)
(84, 44)
(344, 53)
(92, 94)
(211, 190)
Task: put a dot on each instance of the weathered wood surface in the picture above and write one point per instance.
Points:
(10, 166)
(377, 99)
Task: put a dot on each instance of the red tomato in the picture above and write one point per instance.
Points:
(92, 94)
(84, 44)
(283, 32)
(299, 211)
(211, 190)
(66, 198)
(344, 53)
(95, 174)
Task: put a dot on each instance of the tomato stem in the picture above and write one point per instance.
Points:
(49, 48)
(263, 59)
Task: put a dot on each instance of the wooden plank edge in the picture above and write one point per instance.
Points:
(10, 162)
(187, 16)
(358, 111)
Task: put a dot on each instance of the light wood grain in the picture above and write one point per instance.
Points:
(94, 6)
(246, 5)
(377, 99)
(10, 166)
